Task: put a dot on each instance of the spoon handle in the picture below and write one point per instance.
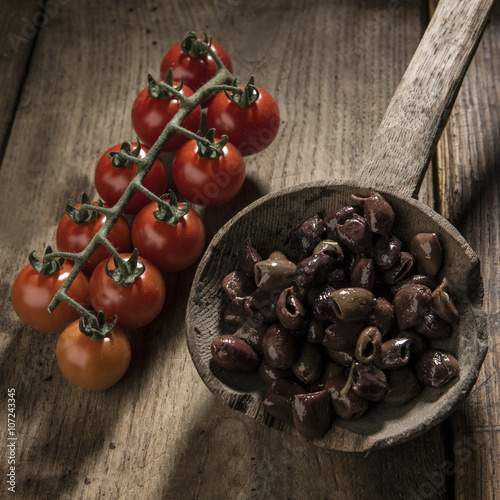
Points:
(417, 114)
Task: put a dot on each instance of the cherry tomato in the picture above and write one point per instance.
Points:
(72, 237)
(208, 181)
(93, 364)
(111, 182)
(195, 70)
(135, 305)
(150, 116)
(32, 293)
(171, 248)
(251, 129)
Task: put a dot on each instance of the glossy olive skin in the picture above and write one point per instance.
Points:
(233, 314)
(400, 270)
(355, 234)
(368, 346)
(314, 270)
(415, 279)
(269, 374)
(363, 274)
(304, 238)
(274, 274)
(290, 310)
(340, 335)
(330, 248)
(260, 306)
(238, 286)
(418, 344)
(338, 216)
(320, 303)
(309, 363)
(348, 406)
(312, 413)
(330, 371)
(338, 278)
(427, 250)
(382, 316)
(394, 354)
(343, 357)
(386, 252)
(315, 331)
(252, 333)
(434, 327)
(234, 354)
(378, 212)
(352, 305)
(443, 305)
(369, 381)
(248, 256)
(279, 347)
(411, 304)
(436, 368)
(402, 386)
(279, 399)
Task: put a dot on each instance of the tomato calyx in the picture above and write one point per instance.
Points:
(45, 267)
(169, 211)
(194, 46)
(126, 271)
(247, 97)
(164, 90)
(87, 211)
(125, 157)
(208, 148)
(95, 327)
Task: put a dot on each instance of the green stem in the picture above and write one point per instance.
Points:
(192, 135)
(95, 208)
(348, 384)
(114, 252)
(149, 194)
(77, 306)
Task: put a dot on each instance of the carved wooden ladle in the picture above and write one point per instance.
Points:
(395, 165)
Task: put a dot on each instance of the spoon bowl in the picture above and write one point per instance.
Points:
(394, 167)
(268, 222)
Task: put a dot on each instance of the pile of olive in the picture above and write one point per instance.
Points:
(343, 321)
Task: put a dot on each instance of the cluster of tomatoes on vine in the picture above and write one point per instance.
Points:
(123, 278)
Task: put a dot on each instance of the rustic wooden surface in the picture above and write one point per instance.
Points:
(65, 98)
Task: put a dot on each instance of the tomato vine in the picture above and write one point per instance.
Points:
(223, 80)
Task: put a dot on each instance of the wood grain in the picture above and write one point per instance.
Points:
(19, 28)
(467, 162)
(406, 139)
(160, 433)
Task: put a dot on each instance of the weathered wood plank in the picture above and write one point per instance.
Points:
(19, 23)
(426, 93)
(160, 433)
(469, 189)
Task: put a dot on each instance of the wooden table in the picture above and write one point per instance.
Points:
(69, 77)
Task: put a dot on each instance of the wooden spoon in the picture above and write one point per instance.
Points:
(395, 165)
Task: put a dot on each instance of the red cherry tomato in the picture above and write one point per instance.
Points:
(32, 293)
(194, 70)
(208, 181)
(111, 182)
(135, 305)
(171, 248)
(150, 116)
(251, 129)
(93, 364)
(72, 237)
